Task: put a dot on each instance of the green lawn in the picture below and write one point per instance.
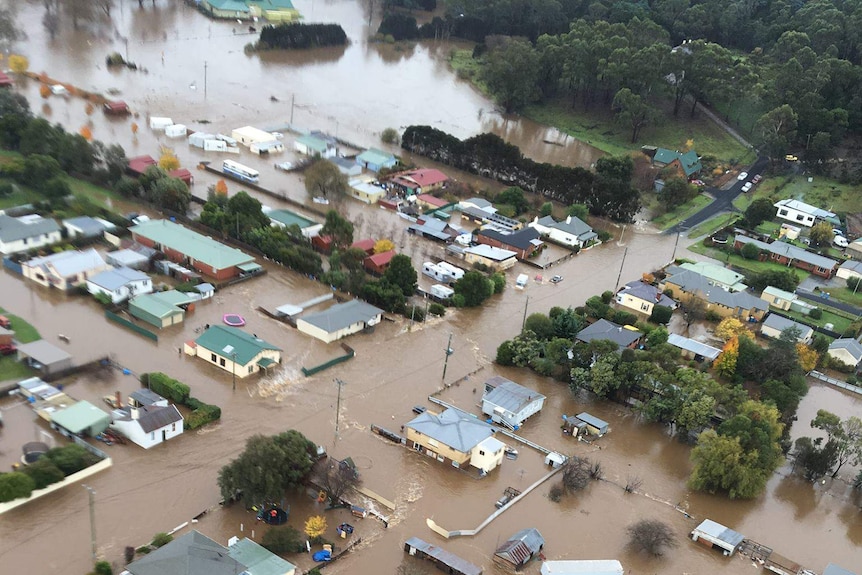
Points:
(10, 367)
(673, 217)
(846, 295)
(839, 321)
(597, 127)
(712, 225)
(821, 192)
(736, 260)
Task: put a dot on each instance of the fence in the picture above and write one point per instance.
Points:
(126, 323)
(335, 361)
(836, 382)
(12, 265)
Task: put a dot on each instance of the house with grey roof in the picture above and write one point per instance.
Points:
(64, 270)
(717, 274)
(623, 336)
(86, 227)
(774, 325)
(571, 232)
(509, 403)
(801, 213)
(846, 350)
(120, 284)
(191, 554)
(432, 228)
(130, 258)
(340, 320)
(850, 269)
(643, 297)
(717, 535)
(148, 425)
(778, 298)
(27, 232)
(519, 549)
(686, 285)
(455, 438)
(789, 255)
(693, 349)
(525, 242)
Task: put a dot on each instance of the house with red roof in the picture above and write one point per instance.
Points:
(139, 164)
(366, 245)
(378, 263)
(5, 81)
(429, 202)
(420, 181)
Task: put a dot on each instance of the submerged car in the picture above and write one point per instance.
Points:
(556, 279)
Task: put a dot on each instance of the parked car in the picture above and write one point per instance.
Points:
(698, 183)
(419, 409)
(756, 179)
(742, 176)
(7, 349)
(556, 279)
(747, 187)
(840, 241)
(5, 322)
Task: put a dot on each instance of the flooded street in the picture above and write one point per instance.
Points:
(357, 92)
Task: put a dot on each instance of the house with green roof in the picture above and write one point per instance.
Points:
(375, 160)
(234, 350)
(81, 418)
(287, 218)
(313, 146)
(687, 163)
(257, 559)
(162, 309)
(189, 248)
(275, 11)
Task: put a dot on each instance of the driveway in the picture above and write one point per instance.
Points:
(722, 202)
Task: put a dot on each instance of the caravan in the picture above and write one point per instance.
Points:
(456, 272)
(438, 273)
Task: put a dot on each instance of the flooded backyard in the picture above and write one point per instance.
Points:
(357, 92)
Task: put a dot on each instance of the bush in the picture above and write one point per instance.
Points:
(103, 568)
(505, 354)
(71, 458)
(604, 236)
(437, 309)
(459, 300)
(750, 251)
(6, 189)
(499, 281)
(43, 473)
(167, 387)
(625, 318)
(283, 540)
(161, 539)
(389, 136)
(202, 415)
(415, 313)
(660, 314)
(712, 316)
(15, 485)
(815, 313)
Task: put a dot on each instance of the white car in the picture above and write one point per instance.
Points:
(742, 176)
(747, 186)
(840, 241)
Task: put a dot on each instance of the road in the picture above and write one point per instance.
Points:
(722, 202)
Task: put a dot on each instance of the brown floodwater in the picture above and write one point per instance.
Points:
(358, 91)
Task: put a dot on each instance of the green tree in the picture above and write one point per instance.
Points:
(172, 194)
(389, 136)
(14, 485)
(526, 348)
(661, 314)
(402, 274)
(338, 228)
(511, 73)
(103, 568)
(659, 335)
(39, 169)
(721, 465)
(775, 130)
(676, 192)
(846, 436)
(70, 458)
(786, 280)
(283, 540)
(541, 325)
(759, 211)
(505, 354)
(514, 197)
(750, 251)
(632, 111)
(696, 410)
(323, 179)
(43, 473)
(821, 234)
(567, 323)
(579, 211)
(814, 457)
(475, 287)
(267, 467)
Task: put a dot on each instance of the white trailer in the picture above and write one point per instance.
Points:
(227, 140)
(198, 139)
(176, 131)
(436, 272)
(268, 147)
(441, 291)
(455, 272)
(522, 280)
(160, 123)
(215, 146)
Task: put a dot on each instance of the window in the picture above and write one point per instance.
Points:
(250, 368)
(481, 452)
(221, 362)
(644, 307)
(783, 212)
(213, 357)
(433, 442)
(800, 217)
(173, 427)
(152, 436)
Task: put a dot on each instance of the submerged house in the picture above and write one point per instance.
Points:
(509, 403)
(234, 351)
(519, 549)
(64, 270)
(455, 438)
(712, 534)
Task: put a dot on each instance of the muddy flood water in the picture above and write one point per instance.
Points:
(357, 92)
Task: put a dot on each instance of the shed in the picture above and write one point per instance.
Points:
(197, 139)
(693, 348)
(375, 160)
(378, 263)
(574, 426)
(128, 258)
(510, 403)
(340, 320)
(520, 548)
(588, 567)
(595, 425)
(442, 559)
(555, 459)
(774, 325)
(44, 357)
(81, 418)
(116, 108)
(86, 226)
(714, 534)
(160, 123)
(366, 245)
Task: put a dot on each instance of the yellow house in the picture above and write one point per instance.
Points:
(64, 270)
(456, 438)
(234, 351)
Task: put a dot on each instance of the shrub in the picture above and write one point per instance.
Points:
(712, 316)
(459, 300)
(204, 414)
(625, 318)
(15, 485)
(162, 539)
(103, 568)
(750, 251)
(415, 313)
(71, 458)
(661, 314)
(499, 281)
(816, 313)
(604, 236)
(43, 473)
(6, 188)
(283, 540)
(607, 296)
(389, 136)
(505, 353)
(129, 554)
(167, 387)
(437, 309)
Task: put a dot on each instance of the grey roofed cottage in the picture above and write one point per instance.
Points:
(774, 325)
(429, 227)
(604, 329)
(128, 258)
(520, 548)
(455, 428)
(146, 396)
(695, 284)
(570, 232)
(340, 320)
(784, 252)
(718, 535)
(85, 226)
(191, 554)
(524, 241)
(26, 232)
(44, 356)
(847, 350)
(595, 425)
(508, 402)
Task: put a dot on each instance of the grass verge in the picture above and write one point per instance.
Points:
(10, 367)
(821, 192)
(712, 225)
(839, 321)
(673, 217)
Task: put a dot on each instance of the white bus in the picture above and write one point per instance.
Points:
(242, 172)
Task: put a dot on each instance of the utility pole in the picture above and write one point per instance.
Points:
(92, 493)
(524, 321)
(205, 79)
(449, 352)
(292, 99)
(622, 263)
(339, 383)
(233, 370)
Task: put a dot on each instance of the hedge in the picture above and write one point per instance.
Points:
(202, 415)
(167, 387)
(15, 485)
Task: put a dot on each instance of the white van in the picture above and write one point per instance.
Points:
(521, 281)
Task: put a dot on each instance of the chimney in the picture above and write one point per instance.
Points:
(568, 219)
(134, 413)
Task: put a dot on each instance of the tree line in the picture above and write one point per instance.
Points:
(607, 192)
(299, 36)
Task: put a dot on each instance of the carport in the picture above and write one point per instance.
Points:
(44, 357)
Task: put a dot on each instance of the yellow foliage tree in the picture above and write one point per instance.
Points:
(18, 64)
(221, 188)
(808, 357)
(168, 161)
(134, 128)
(689, 144)
(383, 245)
(725, 363)
(86, 133)
(729, 327)
(44, 90)
(89, 109)
(315, 526)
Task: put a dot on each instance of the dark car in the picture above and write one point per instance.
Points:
(419, 409)
(7, 349)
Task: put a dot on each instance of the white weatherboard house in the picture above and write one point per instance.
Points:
(847, 350)
(120, 284)
(64, 270)
(572, 231)
(643, 297)
(148, 425)
(774, 325)
(340, 320)
(456, 438)
(849, 269)
(801, 213)
(27, 232)
(509, 403)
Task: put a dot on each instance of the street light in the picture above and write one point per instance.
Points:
(92, 493)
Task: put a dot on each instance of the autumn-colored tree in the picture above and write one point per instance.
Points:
(18, 64)
(89, 109)
(221, 188)
(86, 133)
(315, 526)
(808, 357)
(729, 327)
(725, 364)
(383, 245)
(168, 161)
(134, 128)
(44, 90)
